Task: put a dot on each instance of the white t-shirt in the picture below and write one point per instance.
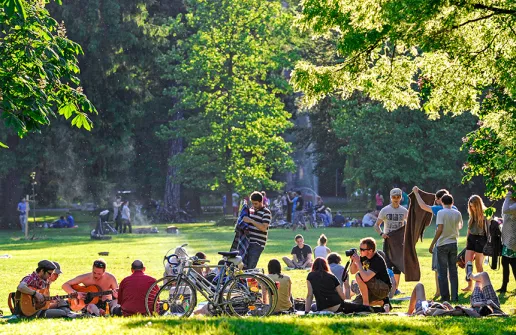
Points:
(321, 251)
(393, 218)
(451, 219)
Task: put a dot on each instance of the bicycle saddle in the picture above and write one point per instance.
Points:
(228, 254)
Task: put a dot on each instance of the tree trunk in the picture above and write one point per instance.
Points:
(172, 197)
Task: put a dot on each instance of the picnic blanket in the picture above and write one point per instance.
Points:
(241, 240)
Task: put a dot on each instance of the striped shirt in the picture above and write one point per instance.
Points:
(262, 215)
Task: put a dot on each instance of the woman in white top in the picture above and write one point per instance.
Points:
(322, 250)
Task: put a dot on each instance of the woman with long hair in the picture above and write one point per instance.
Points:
(477, 237)
(326, 288)
(285, 286)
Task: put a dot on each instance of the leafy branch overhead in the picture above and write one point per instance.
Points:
(439, 56)
(38, 70)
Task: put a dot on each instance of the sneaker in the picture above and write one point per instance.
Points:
(502, 290)
(397, 292)
(469, 270)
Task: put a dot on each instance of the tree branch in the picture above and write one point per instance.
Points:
(475, 20)
(495, 9)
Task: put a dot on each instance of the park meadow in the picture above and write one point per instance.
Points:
(75, 251)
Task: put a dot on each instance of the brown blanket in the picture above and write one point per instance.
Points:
(394, 248)
(418, 219)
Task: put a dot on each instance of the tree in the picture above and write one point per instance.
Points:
(228, 96)
(439, 56)
(38, 70)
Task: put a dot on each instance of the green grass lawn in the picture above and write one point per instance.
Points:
(74, 250)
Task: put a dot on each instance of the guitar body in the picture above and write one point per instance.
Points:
(28, 304)
(93, 294)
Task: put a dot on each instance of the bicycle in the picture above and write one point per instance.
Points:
(234, 292)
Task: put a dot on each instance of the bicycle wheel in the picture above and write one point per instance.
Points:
(247, 295)
(171, 296)
(272, 285)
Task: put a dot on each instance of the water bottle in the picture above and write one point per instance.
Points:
(486, 260)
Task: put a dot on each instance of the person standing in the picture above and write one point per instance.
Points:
(116, 207)
(434, 209)
(476, 238)
(379, 200)
(259, 220)
(449, 222)
(508, 239)
(235, 201)
(404, 198)
(23, 210)
(132, 291)
(126, 217)
(298, 205)
(393, 217)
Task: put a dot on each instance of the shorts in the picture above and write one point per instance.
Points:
(377, 290)
(476, 243)
(482, 295)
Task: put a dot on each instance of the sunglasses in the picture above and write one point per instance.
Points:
(365, 249)
(99, 265)
(49, 272)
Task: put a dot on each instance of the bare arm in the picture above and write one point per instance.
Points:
(308, 260)
(67, 287)
(378, 229)
(309, 297)
(261, 226)
(341, 292)
(436, 237)
(420, 201)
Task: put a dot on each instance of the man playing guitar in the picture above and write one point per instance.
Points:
(37, 286)
(99, 278)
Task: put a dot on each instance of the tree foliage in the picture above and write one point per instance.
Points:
(230, 82)
(38, 70)
(439, 56)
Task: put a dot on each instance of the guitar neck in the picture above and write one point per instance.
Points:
(66, 296)
(98, 294)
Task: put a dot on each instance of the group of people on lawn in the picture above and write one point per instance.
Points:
(327, 281)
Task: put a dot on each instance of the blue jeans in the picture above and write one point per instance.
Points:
(447, 264)
(253, 255)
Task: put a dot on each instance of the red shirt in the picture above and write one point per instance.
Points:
(132, 291)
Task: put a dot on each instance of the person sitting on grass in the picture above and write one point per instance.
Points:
(327, 290)
(301, 255)
(322, 250)
(59, 223)
(70, 222)
(340, 272)
(285, 286)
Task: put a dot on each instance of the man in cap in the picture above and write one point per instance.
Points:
(393, 217)
(99, 277)
(39, 280)
(132, 291)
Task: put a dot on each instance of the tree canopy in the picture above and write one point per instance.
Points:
(229, 85)
(439, 56)
(38, 70)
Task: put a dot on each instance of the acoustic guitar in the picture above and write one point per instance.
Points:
(29, 305)
(93, 295)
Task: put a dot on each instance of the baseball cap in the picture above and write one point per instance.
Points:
(396, 191)
(58, 268)
(46, 264)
